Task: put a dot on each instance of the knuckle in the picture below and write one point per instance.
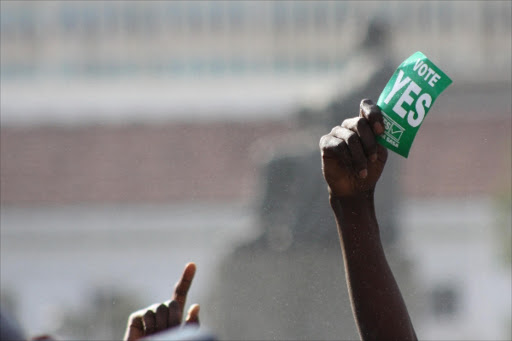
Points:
(329, 144)
(323, 141)
(351, 138)
(349, 123)
(174, 304)
(136, 321)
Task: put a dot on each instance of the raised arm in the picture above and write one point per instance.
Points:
(352, 163)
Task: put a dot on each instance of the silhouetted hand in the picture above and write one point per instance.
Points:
(352, 161)
(161, 317)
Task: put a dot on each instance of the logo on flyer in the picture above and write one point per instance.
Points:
(393, 130)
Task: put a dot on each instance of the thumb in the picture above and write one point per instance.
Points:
(193, 315)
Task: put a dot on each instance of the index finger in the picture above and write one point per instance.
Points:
(372, 113)
(181, 288)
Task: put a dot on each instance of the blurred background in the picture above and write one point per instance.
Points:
(138, 136)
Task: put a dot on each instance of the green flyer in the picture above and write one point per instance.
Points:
(406, 100)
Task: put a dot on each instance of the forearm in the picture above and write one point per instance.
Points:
(377, 303)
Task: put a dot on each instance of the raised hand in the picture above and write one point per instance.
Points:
(166, 315)
(352, 161)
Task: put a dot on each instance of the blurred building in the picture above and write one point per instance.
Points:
(161, 56)
(121, 120)
(197, 38)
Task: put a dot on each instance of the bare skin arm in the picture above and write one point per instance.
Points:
(352, 163)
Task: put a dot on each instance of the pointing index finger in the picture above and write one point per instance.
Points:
(181, 288)
(372, 113)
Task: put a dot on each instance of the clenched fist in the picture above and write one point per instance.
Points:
(352, 161)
